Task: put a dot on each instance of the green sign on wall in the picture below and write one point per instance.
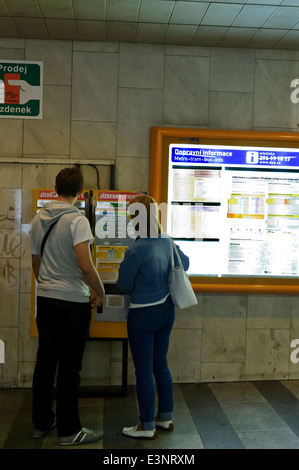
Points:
(21, 89)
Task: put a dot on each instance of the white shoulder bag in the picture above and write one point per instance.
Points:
(180, 288)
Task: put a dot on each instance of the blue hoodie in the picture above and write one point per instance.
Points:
(144, 271)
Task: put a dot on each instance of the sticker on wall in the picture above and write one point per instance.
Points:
(21, 89)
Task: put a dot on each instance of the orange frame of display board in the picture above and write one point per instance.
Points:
(161, 138)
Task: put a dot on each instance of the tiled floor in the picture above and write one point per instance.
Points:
(243, 415)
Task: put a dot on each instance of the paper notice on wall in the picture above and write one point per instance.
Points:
(108, 272)
(110, 254)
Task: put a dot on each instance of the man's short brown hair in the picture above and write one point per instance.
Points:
(69, 182)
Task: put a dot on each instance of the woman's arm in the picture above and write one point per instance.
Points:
(127, 272)
(184, 258)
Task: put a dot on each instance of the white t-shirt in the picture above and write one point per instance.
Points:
(60, 276)
(80, 230)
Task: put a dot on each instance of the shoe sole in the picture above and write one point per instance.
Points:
(78, 443)
(142, 437)
(81, 443)
(39, 436)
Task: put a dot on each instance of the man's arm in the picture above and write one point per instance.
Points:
(35, 265)
(89, 272)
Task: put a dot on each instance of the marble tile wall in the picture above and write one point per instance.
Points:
(100, 101)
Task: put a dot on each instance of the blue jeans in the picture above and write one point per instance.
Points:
(149, 330)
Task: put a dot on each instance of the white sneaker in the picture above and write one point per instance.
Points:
(168, 425)
(134, 432)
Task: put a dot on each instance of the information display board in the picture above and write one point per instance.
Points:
(232, 218)
(233, 207)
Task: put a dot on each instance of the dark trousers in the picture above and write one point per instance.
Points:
(149, 331)
(63, 329)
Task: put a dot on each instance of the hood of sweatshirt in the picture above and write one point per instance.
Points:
(52, 211)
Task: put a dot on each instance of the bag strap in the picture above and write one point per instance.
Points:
(46, 236)
(174, 248)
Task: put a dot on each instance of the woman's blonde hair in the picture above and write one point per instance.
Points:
(151, 226)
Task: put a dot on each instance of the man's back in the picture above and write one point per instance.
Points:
(59, 274)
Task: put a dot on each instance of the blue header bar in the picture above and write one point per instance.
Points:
(235, 156)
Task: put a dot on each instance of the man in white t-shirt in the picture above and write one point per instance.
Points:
(65, 273)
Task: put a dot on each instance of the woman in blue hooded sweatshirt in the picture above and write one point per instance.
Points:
(144, 275)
